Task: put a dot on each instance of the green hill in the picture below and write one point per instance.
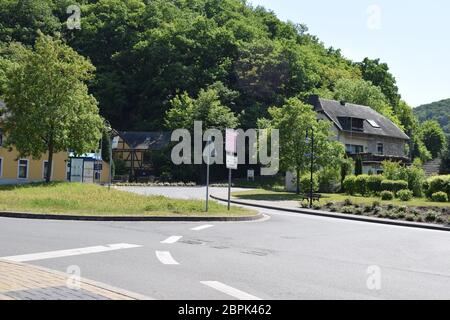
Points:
(439, 111)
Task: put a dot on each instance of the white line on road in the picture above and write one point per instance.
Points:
(165, 257)
(241, 295)
(172, 239)
(70, 252)
(205, 226)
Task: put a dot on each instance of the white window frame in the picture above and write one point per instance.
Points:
(1, 167)
(43, 170)
(18, 169)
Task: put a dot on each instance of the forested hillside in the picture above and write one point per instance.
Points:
(439, 111)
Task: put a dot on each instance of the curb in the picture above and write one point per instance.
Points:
(342, 216)
(100, 285)
(44, 216)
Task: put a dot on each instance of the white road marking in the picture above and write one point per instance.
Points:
(241, 295)
(205, 226)
(70, 252)
(165, 257)
(172, 239)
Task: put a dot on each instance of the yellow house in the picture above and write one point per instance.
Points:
(66, 167)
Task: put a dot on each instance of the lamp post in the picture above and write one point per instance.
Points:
(311, 181)
(109, 130)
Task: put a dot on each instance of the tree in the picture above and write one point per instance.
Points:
(295, 122)
(207, 108)
(433, 137)
(445, 162)
(364, 93)
(358, 166)
(49, 107)
(378, 74)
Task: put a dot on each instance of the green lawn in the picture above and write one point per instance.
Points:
(86, 199)
(261, 194)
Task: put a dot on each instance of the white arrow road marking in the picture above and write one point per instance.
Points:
(165, 257)
(205, 226)
(241, 295)
(172, 239)
(70, 252)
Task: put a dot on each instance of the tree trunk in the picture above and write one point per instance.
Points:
(298, 181)
(50, 163)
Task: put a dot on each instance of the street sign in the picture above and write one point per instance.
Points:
(232, 161)
(230, 141)
(209, 152)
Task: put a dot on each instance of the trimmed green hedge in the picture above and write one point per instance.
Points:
(387, 195)
(349, 185)
(439, 197)
(394, 186)
(374, 183)
(405, 195)
(437, 184)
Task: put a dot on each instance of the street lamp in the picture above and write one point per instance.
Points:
(311, 187)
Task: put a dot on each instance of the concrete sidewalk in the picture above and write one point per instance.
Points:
(20, 281)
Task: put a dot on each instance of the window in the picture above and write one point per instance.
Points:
(44, 169)
(373, 123)
(354, 149)
(23, 169)
(380, 148)
(357, 124)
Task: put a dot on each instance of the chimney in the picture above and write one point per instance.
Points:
(342, 103)
(315, 101)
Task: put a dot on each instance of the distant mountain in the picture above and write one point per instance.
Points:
(439, 111)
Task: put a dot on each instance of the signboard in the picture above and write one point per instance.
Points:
(232, 161)
(209, 152)
(76, 170)
(251, 174)
(88, 172)
(230, 141)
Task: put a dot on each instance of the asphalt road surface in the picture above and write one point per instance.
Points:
(286, 256)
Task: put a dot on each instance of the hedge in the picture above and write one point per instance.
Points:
(349, 185)
(394, 186)
(387, 195)
(439, 197)
(405, 195)
(374, 183)
(361, 184)
(437, 184)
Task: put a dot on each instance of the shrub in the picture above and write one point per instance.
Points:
(376, 203)
(394, 186)
(368, 208)
(305, 183)
(431, 216)
(361, 184)
(349, 185)
(415, 176)
(317, 206)
(409, 217)
(387, 196)
(405, 195)
(304, 204)
(333, 208)
(439, 197)
(437, 184)
(348, 202)
(347, 209)
(374, 184)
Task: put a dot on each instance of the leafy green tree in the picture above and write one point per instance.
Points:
(433, 137)
(206, 107)
(295, 122)
(444, 168)
(358, 166)
(378, 74)
(49, 107)
(364, 93)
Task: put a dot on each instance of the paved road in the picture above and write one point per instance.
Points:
(288, 256)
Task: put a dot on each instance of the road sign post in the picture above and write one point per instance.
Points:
(231, 158)
(208, 152)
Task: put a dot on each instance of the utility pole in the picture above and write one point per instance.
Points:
(312, 168)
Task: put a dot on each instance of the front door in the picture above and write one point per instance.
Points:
(88, 172)
(76, 170)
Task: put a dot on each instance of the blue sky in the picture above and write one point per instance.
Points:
(412, 36)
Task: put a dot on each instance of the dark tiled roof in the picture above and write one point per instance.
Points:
(335, 110)
(146, 140)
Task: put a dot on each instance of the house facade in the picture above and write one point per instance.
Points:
(15, 169)
(364, 132)
(135, 148)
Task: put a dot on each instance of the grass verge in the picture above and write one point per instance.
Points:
(286, 196)
(86, 199)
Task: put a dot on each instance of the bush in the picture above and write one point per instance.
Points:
(374, 184)
(348, 202)
(347, 210)
(431, 216)
(394, 186)
(361, 184)
(349, 185)
(437, 184)
(387, 195)
(405, 195)
(439, 197)
(305, 183)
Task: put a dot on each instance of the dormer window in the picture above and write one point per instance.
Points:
(352, 124)
(357, 124)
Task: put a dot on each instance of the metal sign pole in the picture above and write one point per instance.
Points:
(207, 174)
(110, 164)
(229, 188)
